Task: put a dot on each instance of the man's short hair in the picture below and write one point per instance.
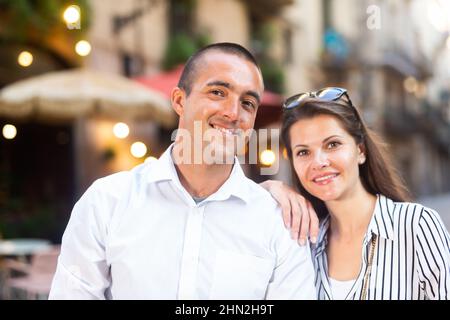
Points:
(190, 68)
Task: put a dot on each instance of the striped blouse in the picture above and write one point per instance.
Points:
(411, 255)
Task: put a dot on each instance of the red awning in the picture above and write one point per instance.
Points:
(164, 82)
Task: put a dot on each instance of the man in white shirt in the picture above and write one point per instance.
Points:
(177, 229)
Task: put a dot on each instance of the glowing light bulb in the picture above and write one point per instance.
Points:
(72, 14)
(138, 149)
(25, 59)
(121, 130)
(267, 157)
(83, 48)
(9, 131)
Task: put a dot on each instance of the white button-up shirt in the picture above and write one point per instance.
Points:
(140, 235)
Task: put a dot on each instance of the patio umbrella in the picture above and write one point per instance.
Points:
(269, 111)
(68, 95)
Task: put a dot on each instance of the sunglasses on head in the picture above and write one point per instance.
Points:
(325, 94)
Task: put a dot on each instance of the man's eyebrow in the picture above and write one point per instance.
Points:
(219, 83)
(229, 86)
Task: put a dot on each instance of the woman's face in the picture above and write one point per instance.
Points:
(325, 157)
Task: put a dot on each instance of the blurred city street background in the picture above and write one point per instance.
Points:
(85, 85)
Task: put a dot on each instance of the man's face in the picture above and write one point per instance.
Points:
(224, 98)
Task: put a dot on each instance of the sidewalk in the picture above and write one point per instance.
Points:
(440, 203)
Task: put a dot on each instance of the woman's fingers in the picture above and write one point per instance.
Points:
(296, 218)
(313, 224)
(304, 212)
(286, 210)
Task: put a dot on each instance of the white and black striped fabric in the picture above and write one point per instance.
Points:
(411, 257)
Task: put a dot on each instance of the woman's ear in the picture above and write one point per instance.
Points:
(361, 154)
(177, 99)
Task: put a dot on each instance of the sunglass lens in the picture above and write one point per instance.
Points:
(330, 94)
(294, 101)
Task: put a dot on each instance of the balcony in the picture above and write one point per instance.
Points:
(430, 122)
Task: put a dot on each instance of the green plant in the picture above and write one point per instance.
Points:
(181, 47)
(22, 19)
(22, 215)
(273, 75)
(271, 69)
(38, 222)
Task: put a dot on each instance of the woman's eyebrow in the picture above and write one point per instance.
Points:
(324, 140)
(331, 137)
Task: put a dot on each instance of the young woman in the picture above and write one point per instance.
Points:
(372, 243)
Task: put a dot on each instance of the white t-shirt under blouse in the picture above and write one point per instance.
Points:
(340, 289)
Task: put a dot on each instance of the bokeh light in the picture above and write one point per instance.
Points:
(438, 15)
(9, 131)
(121, 130)
(25, 59)
(83, 48)
(72, 14)
(267, 157)
(410, 84)
(138, 149)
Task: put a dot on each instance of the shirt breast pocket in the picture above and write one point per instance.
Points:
(240, 276)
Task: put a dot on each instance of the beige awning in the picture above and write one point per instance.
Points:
(74, 93)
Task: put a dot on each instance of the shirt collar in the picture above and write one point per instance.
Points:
(322, 239)
(381, 224)
(163, 169)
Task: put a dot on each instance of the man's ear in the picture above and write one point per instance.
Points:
(177, 99)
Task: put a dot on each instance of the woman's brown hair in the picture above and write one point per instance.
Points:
(377, 173)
